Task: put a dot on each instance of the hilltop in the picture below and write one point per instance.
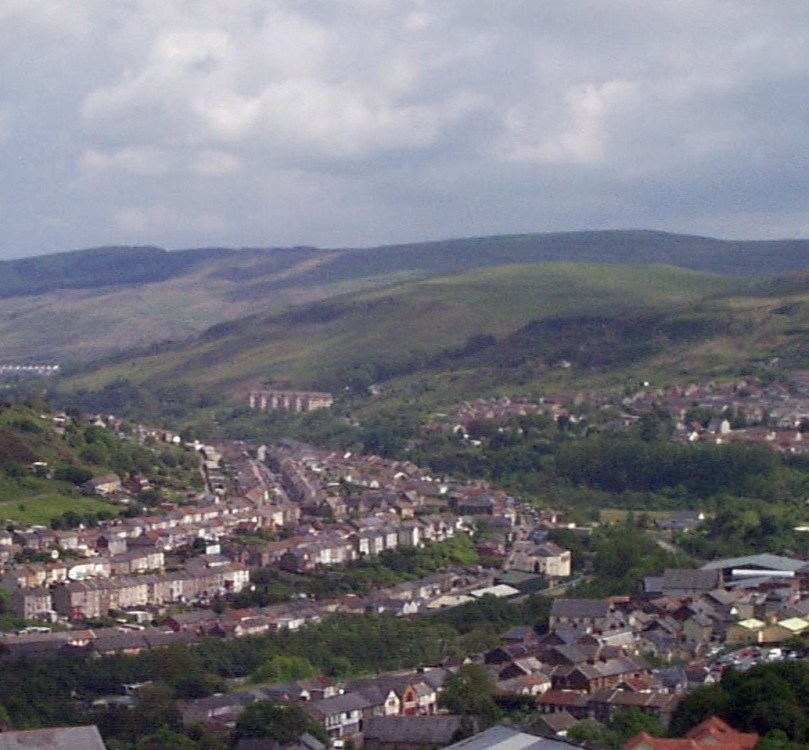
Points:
(76, 306)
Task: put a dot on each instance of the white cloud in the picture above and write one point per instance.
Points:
(292, 84)
(577, 132)
(152, 220)
(135, 160)
(153, 161)
(215, 163)
(366, 121)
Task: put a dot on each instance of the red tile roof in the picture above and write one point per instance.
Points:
(715, 731)
(711, 734)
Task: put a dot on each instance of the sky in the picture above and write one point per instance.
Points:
(342, 123)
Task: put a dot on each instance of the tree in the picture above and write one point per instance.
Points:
(629, 722)
(704, 702)
(770, 699)
(470, 692)
(280, 722)
(625, 724)
(168, 740)
(654, 426)
(284, 668)
(154, 708)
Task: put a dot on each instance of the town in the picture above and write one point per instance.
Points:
(189, 571)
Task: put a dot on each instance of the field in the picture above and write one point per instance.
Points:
(41, 509)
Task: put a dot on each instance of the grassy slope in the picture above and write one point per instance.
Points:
(76, 306)
(33, 499)
(78, 324)
(32, 507)
(426, 316)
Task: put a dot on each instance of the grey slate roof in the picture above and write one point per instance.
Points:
(580, 608)
(764, 560)
(304, 742)
(59, 738)
(691, 580)
(339, 704)
(506, 738)
(411, 730)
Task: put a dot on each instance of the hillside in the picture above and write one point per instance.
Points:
(481, 318)
(73, 307)
(43, 459)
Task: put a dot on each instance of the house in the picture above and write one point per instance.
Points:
(221, 709)
(680, 520)
(547, 559)
(682, 583)
(565, 655)
(110, 641)
(83, 599)
(472, 505)
(558, 724)
(520, 634)
(585, 615)
(596, 674)
(31, 603)
(197, 620)
(409, 732)
(745, 632)
(104, 486)
(527, 684)
(33, 575)
(520, 667)
(341, 716)
(698, 628)
(709, 733)
(304, 742)
(413, 693)
(136, 561)
(714, 731)
(605, 703)
(35, 645)
(783, 630)
(499, 737)
(54, 738)
(504, 654)
(572, 702)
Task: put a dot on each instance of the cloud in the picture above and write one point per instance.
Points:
(578, 132)
(146, 220)
(367, 121)
(6, 123)
(135, 160)
(279, 92)
(154, 161)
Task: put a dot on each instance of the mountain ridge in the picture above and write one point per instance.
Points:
(106, 265)
(76, 306)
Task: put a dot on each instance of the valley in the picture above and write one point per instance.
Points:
(458, 449)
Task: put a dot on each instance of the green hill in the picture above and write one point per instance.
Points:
(76, 306)
(433, 323)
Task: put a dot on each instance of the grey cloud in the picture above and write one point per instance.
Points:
(285, 122)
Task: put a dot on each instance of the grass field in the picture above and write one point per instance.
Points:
(41, 509)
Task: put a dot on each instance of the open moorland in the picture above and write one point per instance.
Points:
(74, 306)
